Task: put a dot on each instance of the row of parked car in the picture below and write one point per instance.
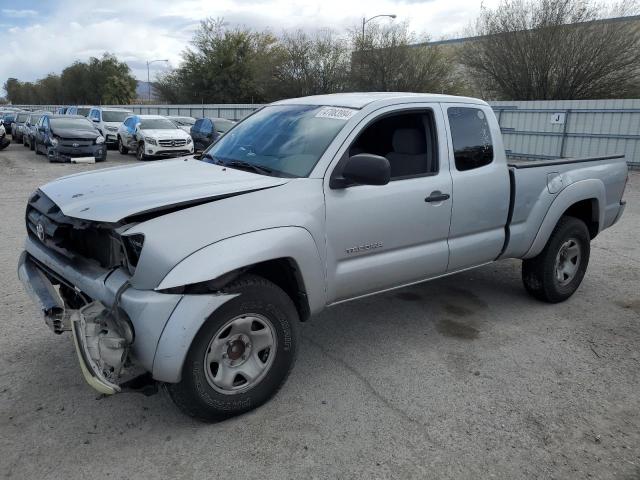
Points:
(80, 133)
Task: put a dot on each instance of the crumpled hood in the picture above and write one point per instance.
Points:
(113, 194)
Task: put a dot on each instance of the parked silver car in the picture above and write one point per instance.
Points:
(198, 270)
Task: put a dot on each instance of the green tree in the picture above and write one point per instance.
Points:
(224, 65)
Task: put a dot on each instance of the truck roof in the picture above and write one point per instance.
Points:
(362, 99)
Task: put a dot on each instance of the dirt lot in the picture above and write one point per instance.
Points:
(464, 377)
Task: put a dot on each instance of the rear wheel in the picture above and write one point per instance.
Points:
(556, 273)
(31, 144)
(242, 355)
(121, 148)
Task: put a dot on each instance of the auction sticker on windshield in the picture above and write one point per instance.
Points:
(336, 113)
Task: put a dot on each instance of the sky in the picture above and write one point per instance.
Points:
(44, 36)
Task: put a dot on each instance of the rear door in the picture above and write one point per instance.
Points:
(380, 237)
(480, 186)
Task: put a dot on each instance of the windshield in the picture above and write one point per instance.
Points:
(223, 125)
(285, 139)
(22, 117)
(157, 124)
(76, 123)
(114, 116)
(183, 121)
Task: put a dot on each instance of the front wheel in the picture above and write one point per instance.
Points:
(556, 273)
(121, 148)
(242, 355)
(31, 144)
(140, 155)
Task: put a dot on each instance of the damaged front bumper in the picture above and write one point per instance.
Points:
(120, 326)
(102, 343)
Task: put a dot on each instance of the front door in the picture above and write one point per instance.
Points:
(379, 237)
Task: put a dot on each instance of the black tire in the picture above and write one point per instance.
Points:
(24, 141)
(37, 150)
(140, 155)
(195, 396)
(31, 145)
(121, 148)
(539, 273)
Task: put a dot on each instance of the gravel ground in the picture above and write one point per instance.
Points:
(463, 377)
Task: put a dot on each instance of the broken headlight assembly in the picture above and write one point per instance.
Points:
(133, 248)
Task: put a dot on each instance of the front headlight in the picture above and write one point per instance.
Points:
(133, 247)
(150, 141)
(99, 140)
(189, 140)
(53, 141)
(111, 129)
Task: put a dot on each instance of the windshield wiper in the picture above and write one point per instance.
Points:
(239, 164)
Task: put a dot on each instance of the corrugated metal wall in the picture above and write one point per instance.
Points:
(538, 129)
(571, 128)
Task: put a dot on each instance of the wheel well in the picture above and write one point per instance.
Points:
(587, 211)
(284, 273)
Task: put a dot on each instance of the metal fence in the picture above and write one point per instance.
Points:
(537, 129)
(571, 128)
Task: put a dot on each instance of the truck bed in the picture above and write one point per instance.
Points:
(535, 185)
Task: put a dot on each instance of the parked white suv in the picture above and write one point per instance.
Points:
(153, 136)
(107, 121)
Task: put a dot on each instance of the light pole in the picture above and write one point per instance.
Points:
(367, 20)
(148, 79)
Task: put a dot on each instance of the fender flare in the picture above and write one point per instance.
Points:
(590, 189)
(224, 256)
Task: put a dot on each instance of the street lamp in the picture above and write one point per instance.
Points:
(148, 79)
(367, 20)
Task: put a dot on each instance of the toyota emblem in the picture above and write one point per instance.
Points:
(75, 145)
(40, 231)
(173, 143)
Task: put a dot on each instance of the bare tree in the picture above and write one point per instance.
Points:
(554, 49)
(386, 58)
(312, 64)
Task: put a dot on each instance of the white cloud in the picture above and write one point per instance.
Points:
(135, 31)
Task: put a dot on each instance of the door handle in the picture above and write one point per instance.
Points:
(437, 197)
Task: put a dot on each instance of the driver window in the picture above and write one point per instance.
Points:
(407, 140)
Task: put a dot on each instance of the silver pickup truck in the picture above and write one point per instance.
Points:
(194, 273)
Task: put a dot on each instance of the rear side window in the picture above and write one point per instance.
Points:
(472, 145)
(196, 126)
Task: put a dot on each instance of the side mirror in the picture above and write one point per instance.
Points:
(363, 169)
(95, 120)
(42, 129)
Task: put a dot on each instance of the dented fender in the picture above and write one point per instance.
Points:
(230, 254)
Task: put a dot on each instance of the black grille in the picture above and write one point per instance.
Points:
(75, 143)
(69, 236)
